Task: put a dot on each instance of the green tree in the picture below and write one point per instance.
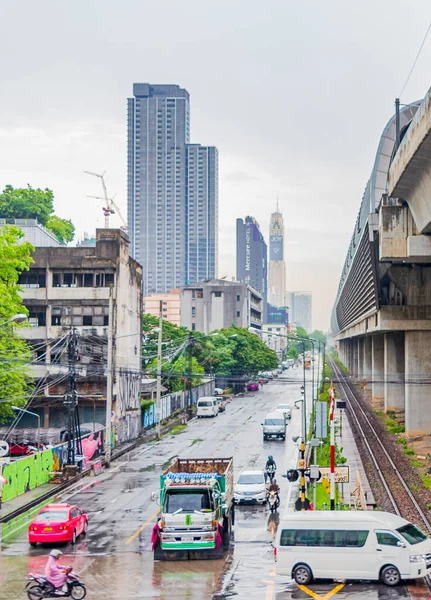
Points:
(15, 257)
(31, 203)
(292, 353)
(63, 229)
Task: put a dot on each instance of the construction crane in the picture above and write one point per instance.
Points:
(110, 205)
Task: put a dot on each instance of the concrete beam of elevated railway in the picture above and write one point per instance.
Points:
(382, 314)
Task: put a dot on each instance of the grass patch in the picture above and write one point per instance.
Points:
(426, 480)
(196, 441)
(409, 451)
(177, 429)
(402, 441)
(416, 463)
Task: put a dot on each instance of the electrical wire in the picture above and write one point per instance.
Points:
(416, 60)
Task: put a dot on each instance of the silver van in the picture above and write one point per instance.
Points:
(274, 425)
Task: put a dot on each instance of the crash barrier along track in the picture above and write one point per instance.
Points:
(399, 497)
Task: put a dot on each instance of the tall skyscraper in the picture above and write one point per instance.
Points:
(277, 266)
(251, 257)
(172, 192)
(201, 213)
(300, 307)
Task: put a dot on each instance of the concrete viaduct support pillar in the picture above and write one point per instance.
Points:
(377, 360)
(361, 342)
(355, 357)
(367, 373)
(341, 351)
(417, 369)
(394, 371)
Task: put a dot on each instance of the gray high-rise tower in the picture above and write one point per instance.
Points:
(172, 190)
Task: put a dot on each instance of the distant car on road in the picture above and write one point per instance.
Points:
(250, 487)
(253, 387)
(57, 523)
(218, 392)
(285, 409)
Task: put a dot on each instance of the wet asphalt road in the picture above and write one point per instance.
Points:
(115, 559)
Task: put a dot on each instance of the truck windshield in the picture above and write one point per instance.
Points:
(412, 534)
(187, 501)
(274, 422)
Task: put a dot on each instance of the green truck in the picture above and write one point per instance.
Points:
(196, 509)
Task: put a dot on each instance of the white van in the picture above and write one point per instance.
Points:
(207, 407)
(274, 425)
(351, 545)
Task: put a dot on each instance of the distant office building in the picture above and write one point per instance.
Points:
(34, 232)
(201, 213)
(87, 241)
(251, 257)
(300, 309)
(217, 304)
(172, 190)
(170, 306)
(277, 266)
(278, 316)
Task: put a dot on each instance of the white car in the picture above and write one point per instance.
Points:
(250, 487)
(285, 409)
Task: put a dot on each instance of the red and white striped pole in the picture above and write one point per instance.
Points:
(332, 446)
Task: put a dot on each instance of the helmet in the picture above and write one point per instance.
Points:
(270, 457)
(56, 553)
(274, 480)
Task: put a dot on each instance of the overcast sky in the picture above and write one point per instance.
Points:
(294, 95)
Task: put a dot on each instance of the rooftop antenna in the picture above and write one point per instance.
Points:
(110, 205)
(277, 205)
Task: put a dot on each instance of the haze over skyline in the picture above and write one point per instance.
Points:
(295, 98)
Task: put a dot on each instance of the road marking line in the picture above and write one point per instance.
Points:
(270, 587)
(318, 596)
(142, 527)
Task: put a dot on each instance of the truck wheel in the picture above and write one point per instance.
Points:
(226, 533)
(158, 552)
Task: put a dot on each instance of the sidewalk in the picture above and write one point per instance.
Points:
(351, 453)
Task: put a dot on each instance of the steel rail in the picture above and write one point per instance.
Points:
(350, 395)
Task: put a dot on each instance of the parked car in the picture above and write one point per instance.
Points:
(57, 523)
(218, 392)
(274, 425)
(263, 379)
(207, 407)
(285, 409)
(250, 487)
(253, 386)
(275, 373)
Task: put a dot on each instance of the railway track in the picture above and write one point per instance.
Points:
(399, 498)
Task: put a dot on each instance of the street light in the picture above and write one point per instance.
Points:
(34, 415)
(19, 318)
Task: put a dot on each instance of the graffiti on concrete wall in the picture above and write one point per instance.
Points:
(27, 473)
(128, 408)
(175, 401)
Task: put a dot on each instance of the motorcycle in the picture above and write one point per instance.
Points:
(270, 473)
(273, 502)
(39, 587)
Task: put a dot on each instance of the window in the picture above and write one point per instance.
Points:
(87, 321)
(238, 298)
(218, 294)
(193, 326)
(385, 538)
(324, 538)
(238, 313)
(412, 534)
(193, 311)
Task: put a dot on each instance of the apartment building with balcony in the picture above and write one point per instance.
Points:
(69, 288)
(216, 304)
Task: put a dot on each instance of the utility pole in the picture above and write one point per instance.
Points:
(332, 447)
(159, 369)
(304, 401)
(109, 380)
(191, 343)
(71, 402)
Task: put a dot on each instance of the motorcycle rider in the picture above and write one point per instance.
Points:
(56, 573)
(270, 464)
(274, 487)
